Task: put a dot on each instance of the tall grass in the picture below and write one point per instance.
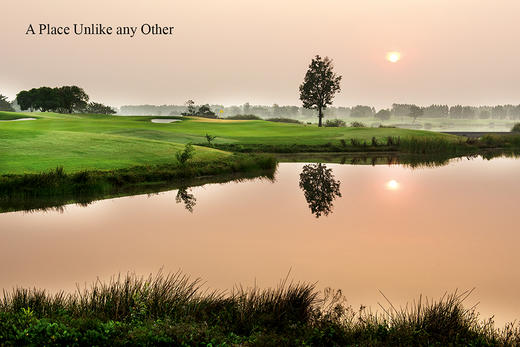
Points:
(128, 309)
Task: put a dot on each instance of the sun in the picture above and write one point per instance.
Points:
(392, 185)
(393, 57)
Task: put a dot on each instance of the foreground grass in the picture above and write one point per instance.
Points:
(174, 310)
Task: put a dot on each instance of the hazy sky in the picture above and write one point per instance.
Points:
(231, 52)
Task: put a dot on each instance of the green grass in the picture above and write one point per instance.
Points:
(174, 310)
(81, 142)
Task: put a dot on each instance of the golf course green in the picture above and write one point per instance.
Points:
(80, 142)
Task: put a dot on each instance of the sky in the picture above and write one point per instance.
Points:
(233, 51)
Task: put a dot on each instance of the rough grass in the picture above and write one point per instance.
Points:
(174, 310)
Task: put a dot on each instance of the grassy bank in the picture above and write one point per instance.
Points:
(407, 145)
(57, 187)
(174, 310)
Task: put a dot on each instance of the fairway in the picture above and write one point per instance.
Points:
(79, 142)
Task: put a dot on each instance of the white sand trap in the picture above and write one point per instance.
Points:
(15, 120)
(157, 120)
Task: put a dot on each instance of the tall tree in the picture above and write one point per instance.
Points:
(319, 85)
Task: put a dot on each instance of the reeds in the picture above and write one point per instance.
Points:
(130, 307)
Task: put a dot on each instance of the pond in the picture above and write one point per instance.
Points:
(359, 228)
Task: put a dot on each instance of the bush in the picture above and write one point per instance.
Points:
(283, 120)
(244, 117)
(335, 123)
(186, 154)
(357, 125)
(516, 128)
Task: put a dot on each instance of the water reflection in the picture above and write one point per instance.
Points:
(187, 198)
(36, 202)
(319, 187)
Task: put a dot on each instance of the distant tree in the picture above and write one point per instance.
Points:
(415, 111)
(319, 187)
(436, 111)
(383, 114)
(190, 108)
(4, 104)
(361, 111)
(98, 108)
(319, 85)
(246, 109)
(205, 111)
(72, 98)
(499, 112)
(63, 99)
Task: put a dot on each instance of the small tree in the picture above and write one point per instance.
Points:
(319, 86)
(415, 111)
(210, 138)
(185, 155)
(191, 108)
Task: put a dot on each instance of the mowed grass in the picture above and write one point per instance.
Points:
(79, 142)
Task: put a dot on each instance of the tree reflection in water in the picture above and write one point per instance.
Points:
(187, 198)
(319, 187)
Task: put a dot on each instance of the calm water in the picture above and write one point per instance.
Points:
(399, 230)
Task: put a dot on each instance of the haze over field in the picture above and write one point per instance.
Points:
(232, 52)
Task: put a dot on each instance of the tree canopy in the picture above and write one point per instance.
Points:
(60, 99)
(319, 86)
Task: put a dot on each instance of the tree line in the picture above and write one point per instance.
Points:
(511, 112)
(65, 99)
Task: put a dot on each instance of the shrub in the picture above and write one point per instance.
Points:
(355, 142)
(357, 125)
(283, 120)
(210, 138)
(386, 126)
(335, 123)
(516, 128)
(186, 154)
(244, 117)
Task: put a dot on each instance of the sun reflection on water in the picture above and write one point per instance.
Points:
(392, 185)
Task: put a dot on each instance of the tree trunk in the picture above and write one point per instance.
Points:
(320, 116)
